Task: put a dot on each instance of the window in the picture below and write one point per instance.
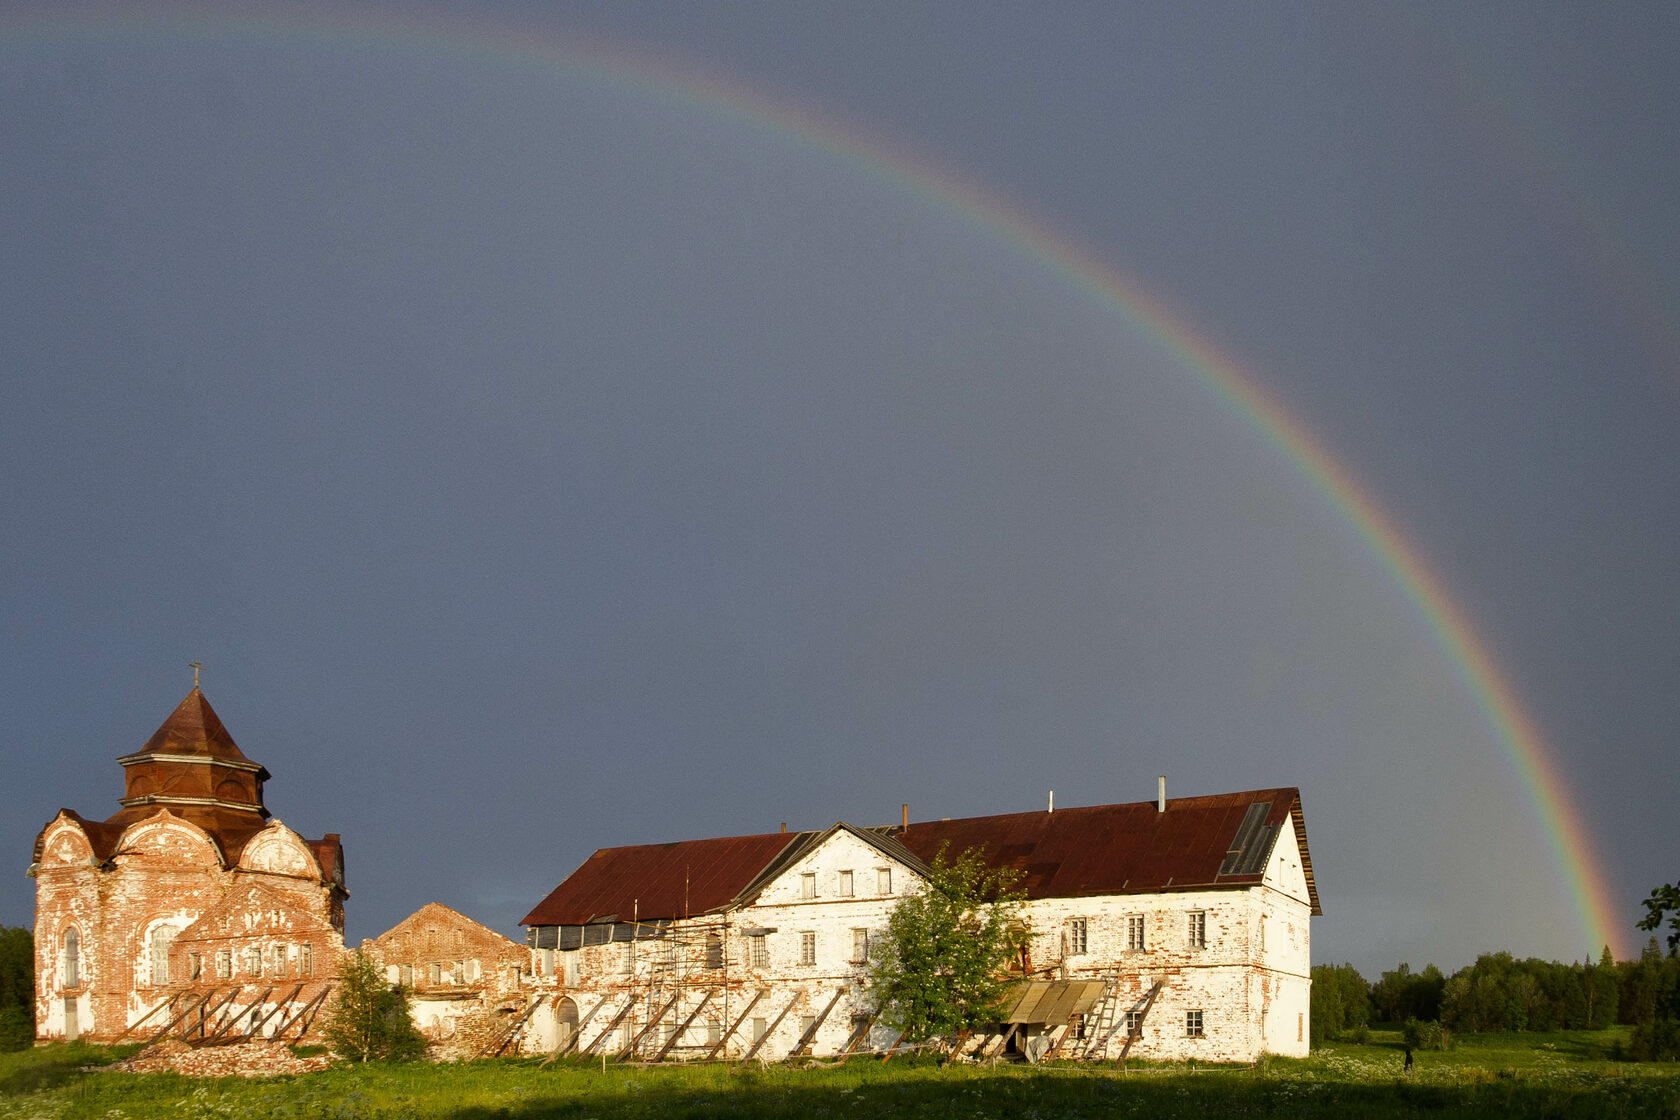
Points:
(545, 962)
(306, 961)
(808, 885)
(72, 958)
(1193, 1024)
(163, 938)
(883, 880)
(714, 951)
(1078, 1028)
(475, 971)
(807, 1024)
(627, 962)
(860, 946)
(1196, 930)
(1134, 1023)
(714, 1032)
(224, 964)
(846, 884)
(279, 952)
(808, 948)
(1076, 939)
(195, 966)
(253, 961)
(434, 974)
(758, 953)
(457, 973)
(405, 976)
(760, 1028)
(1134, 932)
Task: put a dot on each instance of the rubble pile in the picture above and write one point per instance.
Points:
(257, 1058)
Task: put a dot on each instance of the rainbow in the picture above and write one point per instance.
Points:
(1525, 750)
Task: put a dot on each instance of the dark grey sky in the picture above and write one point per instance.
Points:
(543, 458)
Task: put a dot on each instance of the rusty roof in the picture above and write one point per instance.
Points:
(1198, 843)
(193, 728)
(651, 881)
(1131, 848)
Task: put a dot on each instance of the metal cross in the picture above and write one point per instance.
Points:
(195, 667)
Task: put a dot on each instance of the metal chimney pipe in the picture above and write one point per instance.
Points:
(1161, 794)
(905, 811)
(784, 826)
(1052, 808)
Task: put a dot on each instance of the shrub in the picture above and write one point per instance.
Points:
(1656, 1040)
(1425, 1034)
(370, 1017)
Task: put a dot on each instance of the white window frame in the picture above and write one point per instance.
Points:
(808, 884)
(860, 946)
(1195, 1023)
(758, 950)
(883, 881)
(1078, 931)
(1134, 1022)
(845, 886)
(1195, 929)
(1137, 933)
(808, 948)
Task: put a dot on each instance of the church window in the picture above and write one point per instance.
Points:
(163, 937)
(72, 958)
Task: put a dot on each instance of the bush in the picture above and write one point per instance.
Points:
(1425, 1034)
(1656, 1040)
(17, 1028)
(370, 1017)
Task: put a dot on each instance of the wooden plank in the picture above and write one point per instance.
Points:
(507, 1036)
(810, 1034)
(730, 1033)
(651, 1023)
(155, 1009)
(750, 1054)
(692, 1015)
(858, 1036)
(577, 1032)
(279, 1007)
(893, 1049)
(1134, 1035)
(297, 1016)
(228, 1026)
(629, 1003)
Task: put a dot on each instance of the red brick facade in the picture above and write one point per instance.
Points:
(190, 889)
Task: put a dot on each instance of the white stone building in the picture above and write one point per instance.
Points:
(1180, 927)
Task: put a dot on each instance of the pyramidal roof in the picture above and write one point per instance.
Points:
(193, 728)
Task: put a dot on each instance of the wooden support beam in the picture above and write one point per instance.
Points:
(232, 1020)
(730, 1033)
(577, 1032)
(189, 1009)
(858, 1036)
(136, 1024)
(1133, 1035)
(629, 1004)
(507, 1035)
(810, 1034)
(893, 1049)
(692, 1015)
(753, 1053)
(307, 1009)
(278, 1008)
(650, 1024)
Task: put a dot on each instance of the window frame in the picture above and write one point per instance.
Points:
(1195, 1023)
(1195, 929)
(807, 948)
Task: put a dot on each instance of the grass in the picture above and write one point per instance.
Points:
(1512, 1076)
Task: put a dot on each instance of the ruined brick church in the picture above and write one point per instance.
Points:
(190, 902)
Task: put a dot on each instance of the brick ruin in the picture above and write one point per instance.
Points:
(189, 910)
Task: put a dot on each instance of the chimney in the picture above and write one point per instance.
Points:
(1052, 808)
(1161, 794)
(784, 826)
(904, 814)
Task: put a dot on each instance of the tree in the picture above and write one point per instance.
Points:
(1339, 1001)
(370, 1016)
(1664, 899)
(17, 988)
(940, 967)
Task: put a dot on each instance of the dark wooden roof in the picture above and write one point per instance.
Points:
(1198, 843)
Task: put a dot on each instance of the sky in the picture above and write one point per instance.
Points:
(564, 425)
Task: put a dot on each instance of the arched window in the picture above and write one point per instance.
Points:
(163, 937)
(72, 958)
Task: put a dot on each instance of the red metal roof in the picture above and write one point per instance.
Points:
(659, 880)
(1100, 849)
(1116, 849)
(194, 728)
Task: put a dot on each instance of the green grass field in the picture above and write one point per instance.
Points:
(1508, 1076)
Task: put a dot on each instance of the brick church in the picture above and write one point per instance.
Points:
(188, 892)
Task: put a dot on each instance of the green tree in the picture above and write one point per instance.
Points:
(1340, 1002)
(370, 1016)
(1603, 992)
(940, 967)
(17, 988)
(1664, 900)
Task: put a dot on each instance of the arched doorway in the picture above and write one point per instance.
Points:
(565, 1023)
